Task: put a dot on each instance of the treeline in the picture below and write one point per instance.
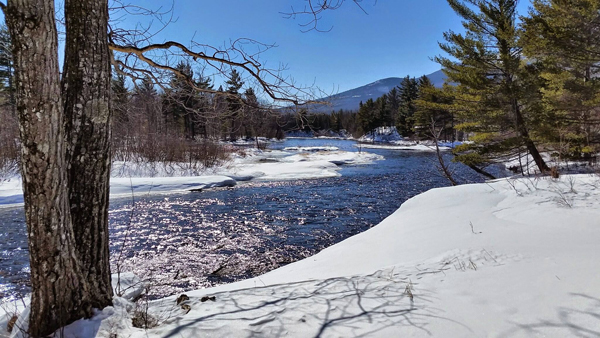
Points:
(186, 118)
(516, 85)
(401, 108)
(339, 123)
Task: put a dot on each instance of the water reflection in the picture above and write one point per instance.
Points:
(196, 240)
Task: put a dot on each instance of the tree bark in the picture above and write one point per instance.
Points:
(59, 289)
(524, 133)
(86, 90)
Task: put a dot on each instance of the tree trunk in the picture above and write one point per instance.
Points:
(59, 288)
(524, 133)
(86, 92)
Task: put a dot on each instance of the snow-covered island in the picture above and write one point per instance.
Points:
(508, 258)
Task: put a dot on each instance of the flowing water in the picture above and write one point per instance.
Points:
(194, 240)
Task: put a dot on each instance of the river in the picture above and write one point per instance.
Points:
(187, 241)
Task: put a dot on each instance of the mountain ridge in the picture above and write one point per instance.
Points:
(350, 99)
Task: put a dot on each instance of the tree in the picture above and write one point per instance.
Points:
(181, 100)
(409, 92)
(432, 115)
(562, 37)
(64, 125)
(6, 67)
(486, 64)
(234, 102)
(393, 99)
(65, 144)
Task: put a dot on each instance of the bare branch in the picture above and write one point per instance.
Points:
(314, 8)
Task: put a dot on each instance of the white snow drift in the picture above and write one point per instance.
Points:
(510, 258)
(158, 178)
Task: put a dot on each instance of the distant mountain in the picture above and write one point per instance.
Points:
(350, 99)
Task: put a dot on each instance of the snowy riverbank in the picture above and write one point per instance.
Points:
(510, 258)
(158, 178)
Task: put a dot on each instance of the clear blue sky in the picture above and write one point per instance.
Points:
(396, 38)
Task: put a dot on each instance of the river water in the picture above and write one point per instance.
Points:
(187, 241)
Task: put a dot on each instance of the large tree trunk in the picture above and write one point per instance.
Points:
(86, 93)
(59, 289)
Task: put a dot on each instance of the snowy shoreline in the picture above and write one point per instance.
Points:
(508, 258)
(152, 178)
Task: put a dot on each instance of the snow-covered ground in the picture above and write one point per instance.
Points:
(526, 162)
(509, 258)
(252, 164)
(389, 138)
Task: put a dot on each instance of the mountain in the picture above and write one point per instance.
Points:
(350, 99)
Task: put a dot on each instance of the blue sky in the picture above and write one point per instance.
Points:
(396, 38)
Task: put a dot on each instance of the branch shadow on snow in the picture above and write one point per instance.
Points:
(355, 306)
(580, 321)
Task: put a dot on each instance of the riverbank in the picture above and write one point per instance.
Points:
(510, 258)
(146, 178)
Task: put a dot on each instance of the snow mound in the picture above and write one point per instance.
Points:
(310, 149)
(513, 257)
(381, 135)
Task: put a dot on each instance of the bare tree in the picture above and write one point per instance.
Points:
(65, 136)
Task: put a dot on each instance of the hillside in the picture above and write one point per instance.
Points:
(350, 99)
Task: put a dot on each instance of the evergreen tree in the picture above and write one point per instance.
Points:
(6, 68)
(393, 99)
(144, 101)
(486, 64)
(234, 102)
(563, 37)
(181, 100)
(408, 94)
(432, 112)
(120, 100)
(367, 116)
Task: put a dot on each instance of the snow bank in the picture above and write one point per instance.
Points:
(310, 149)
(310, 163)
(404, 145)
(252, 164)
(120, 187)
(526, 162)
(510, 258)
(382, 135)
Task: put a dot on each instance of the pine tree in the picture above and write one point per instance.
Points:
(487, 66)
(563, 36)
(409, 92)
(120, 99)
(234, 102)
(432, 112)
(145, 103)
(367, 116)
(181, 100)
(6, 68)
(393, 99)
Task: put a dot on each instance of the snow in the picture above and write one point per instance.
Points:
(310, 149)
(158, 178)
(404, 145)
(382, 135)
(529, 167)
(508, 258)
